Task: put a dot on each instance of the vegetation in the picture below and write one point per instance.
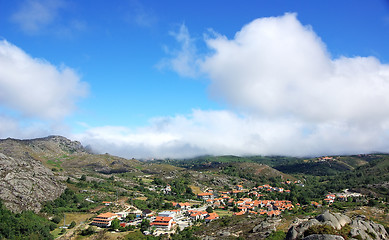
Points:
(67, 202)
(319, 229)
(26, 225)
(277, 235)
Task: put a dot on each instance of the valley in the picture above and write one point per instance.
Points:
(77, 194)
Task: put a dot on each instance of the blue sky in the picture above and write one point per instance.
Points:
(151, 79)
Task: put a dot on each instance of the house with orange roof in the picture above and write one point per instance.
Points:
(195, 215)
(329, 201)
(239, 213)
(262, 212)
(239, 187)
(331, 196)
(165, 223)
(211, 216)
(205, 195)
(104, 219)
(184, 205)
(315, 204)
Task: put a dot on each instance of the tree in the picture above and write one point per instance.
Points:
(209, 209)
(56, 219)
(115, 224)
(130, 217)
(235, 208)
(145, 224)
(83, 178)
(72, 225)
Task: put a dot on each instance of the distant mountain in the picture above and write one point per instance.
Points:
(244, 167)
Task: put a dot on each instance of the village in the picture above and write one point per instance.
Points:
(205, 210)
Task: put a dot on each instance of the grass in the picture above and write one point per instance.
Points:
(147, 180)
(77, 217)
(223, 213)
(196, 190)
(141, 198)
(69, 217)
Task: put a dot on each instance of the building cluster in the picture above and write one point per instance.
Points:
(162, 221)
(183, 212)
(222, 199)
(330, 198)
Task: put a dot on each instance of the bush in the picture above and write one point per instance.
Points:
(277, 235)
(209, 209)
(72, 225)
(89, 231)
(62, 231)
(319, 229)
(56, 219)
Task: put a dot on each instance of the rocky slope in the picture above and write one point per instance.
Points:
(25, 183)
(358, 227)
(33, 171)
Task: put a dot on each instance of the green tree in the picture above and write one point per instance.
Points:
(209, 209)
(72, 225)
(56, 219)
(115, 224)
(145, 224)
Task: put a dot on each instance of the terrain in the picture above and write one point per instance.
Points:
(55, 177)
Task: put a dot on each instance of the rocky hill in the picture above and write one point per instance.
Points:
(25, 183)
(33, 171)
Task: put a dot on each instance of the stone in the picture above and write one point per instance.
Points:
(323, 237)
(329, 219)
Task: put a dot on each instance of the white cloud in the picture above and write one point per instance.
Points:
(276, 67)
(34, 87)
(287, 96)
(224, 132)
(34, 15)
(183, 61)
(28, 128)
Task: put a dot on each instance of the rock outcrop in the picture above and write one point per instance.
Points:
(25, 183)
(335, 220)
(359, 227)
(367, 229)
(264, 229)
(323, 237)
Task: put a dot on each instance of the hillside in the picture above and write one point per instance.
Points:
(54, 176)
(244, 167)
(32, 168)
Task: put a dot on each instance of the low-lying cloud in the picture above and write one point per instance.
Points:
(286, 95)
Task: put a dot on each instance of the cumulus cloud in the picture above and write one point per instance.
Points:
(286, 94)
(33, 15)
(34, 87)
(277, 67)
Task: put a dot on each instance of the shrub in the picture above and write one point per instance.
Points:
(89, 231)
(72, 225)
(319, 229)
(56, 219)
(277, 235)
